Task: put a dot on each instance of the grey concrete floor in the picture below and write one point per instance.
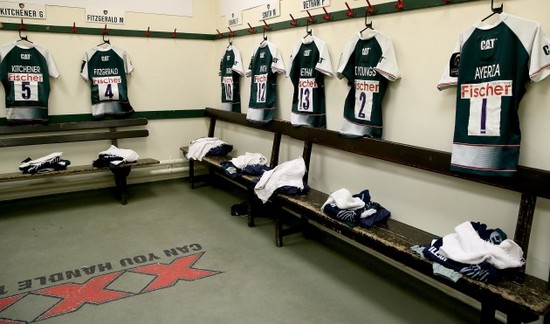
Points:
(175, 255)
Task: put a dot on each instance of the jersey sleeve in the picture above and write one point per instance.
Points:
(387, 66)
(449, 78)
(325, 64)
(539, 66)
(249, 70)
(52, 68)
(344, 58)
(277, 64)
(84, 67)
(238, 63)
(128, 66)
(295, 51)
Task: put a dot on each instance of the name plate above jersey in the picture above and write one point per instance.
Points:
(105, 16)
(235, 19)
(270, 10)
(22, 10)
(313, 4)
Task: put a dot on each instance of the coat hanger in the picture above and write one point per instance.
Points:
(229, 42)
(23, 38)
(309, 32)
(105, 41)
(265, 37)
(368, 25)
(494, 10)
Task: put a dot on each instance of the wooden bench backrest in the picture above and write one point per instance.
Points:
(22, 135)
(530, 182)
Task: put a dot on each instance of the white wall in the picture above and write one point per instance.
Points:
(169, 74)
(182, 74)
(415, 113)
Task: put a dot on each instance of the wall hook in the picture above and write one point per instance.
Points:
(400, 5)
(174, 34)
(370, 9)
(148, 32)
(73, 29)
(294, 22)
(327, 15)
(310, 19)
(266, 26)
(231, 33)
(220, 35)
(349, 13)
(105, 30)
(251, 30)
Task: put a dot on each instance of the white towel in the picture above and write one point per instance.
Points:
(242, 161)
(127, 155)
(466, 246)
(199, 147)
(343, 199)
(290, 173)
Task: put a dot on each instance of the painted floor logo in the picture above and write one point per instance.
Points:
(105, 288)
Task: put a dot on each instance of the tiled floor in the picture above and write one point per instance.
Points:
(175, 255)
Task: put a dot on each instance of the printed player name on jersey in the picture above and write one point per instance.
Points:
(487, 89)
(306, 72)
(307, 83)
(25, 77)
(365, 71)
(107, 80)
(261, 78)
(487, 71)
(367, 85)
(106, 71)
(26, 68)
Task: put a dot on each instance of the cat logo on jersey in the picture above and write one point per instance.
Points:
(488, 44)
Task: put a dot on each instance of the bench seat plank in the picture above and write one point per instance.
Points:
(71, 170)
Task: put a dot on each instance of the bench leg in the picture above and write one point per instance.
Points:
(192, 173)
(121, 175)
(278, 225)
(488, 312)
(251, 206)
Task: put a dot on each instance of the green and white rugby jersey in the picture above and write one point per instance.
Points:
(106, 68)
(310, 62)
(231, 70)
(25, 71)
(490, 66)
(265, 63)
(368, 63)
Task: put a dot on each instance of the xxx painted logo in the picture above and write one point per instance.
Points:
(103, 285)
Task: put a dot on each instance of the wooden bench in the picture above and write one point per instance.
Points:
(24, 135)
(247, 182)
(522, 297)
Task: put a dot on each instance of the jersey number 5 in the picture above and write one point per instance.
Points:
(26, 91)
